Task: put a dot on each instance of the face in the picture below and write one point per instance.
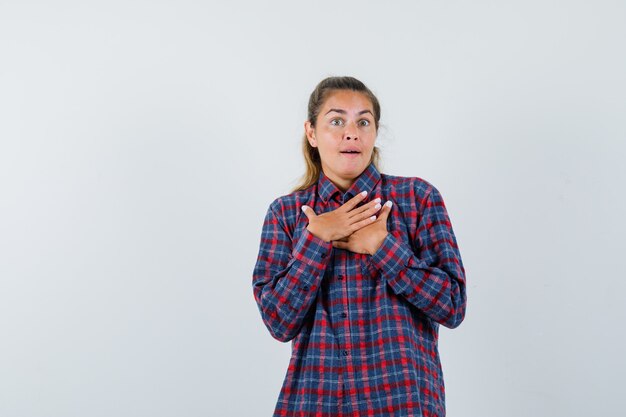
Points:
(345, 123)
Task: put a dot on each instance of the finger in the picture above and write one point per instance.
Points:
(308, 211)
(356, 226)
(384, 213)
(370, 206)
(350, 204)
(338, 244)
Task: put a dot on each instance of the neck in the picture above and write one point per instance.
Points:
(342, 183)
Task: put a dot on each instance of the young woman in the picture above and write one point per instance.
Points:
(358, 269)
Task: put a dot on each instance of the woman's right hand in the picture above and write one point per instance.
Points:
(343, 221)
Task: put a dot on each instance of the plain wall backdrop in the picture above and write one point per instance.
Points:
(142, 142)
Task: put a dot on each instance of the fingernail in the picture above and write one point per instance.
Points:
(303, 208)
(364, 193)
(389, 203)
(377, 206)
(377, 199)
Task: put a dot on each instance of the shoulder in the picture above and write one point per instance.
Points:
(414, 188)
(287, 202)
(287, 206)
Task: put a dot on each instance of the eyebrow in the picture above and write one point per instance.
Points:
(344, 112)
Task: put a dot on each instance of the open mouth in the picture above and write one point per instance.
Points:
(351, 154)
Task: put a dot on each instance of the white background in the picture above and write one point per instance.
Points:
(142, 142)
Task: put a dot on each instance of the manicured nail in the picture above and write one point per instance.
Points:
(377, 199)
(389, 203)
(303, 208)
(364, 193)
(377, 206)
(373, 218)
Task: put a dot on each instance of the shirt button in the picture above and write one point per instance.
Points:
(340, 276)
(344, 315)
(323, 255)
(345, 353)
(305, 288)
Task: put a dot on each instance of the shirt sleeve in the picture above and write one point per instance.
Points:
(434, 282)
(287, 276)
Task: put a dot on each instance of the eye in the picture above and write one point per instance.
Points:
(336, 122)
(364, 122)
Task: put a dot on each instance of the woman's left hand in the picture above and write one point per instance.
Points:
(367, 239)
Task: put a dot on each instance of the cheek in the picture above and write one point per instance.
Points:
(328, 143)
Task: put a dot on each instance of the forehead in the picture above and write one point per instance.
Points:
(351, 101)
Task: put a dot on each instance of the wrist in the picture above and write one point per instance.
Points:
(319, 236)
(379, 242)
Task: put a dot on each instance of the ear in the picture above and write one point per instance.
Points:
(310, 133)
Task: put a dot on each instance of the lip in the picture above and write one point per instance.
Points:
(351, 155)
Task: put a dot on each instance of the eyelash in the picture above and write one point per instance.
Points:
(362, 120)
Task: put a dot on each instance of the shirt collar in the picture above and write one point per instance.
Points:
(364, 182)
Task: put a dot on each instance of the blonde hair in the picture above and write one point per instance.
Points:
(316, 100)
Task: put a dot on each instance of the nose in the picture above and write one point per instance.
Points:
(351, 131)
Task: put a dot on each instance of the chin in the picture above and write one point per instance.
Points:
(354, 170)
(351, 169)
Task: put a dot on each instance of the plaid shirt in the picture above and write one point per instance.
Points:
(364, 328)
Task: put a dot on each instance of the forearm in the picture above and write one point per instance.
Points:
(285, 295)
(439, 292)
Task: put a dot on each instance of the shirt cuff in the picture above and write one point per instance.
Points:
(391, 258)
(312, 250)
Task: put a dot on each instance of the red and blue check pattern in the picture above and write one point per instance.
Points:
(364, 328)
